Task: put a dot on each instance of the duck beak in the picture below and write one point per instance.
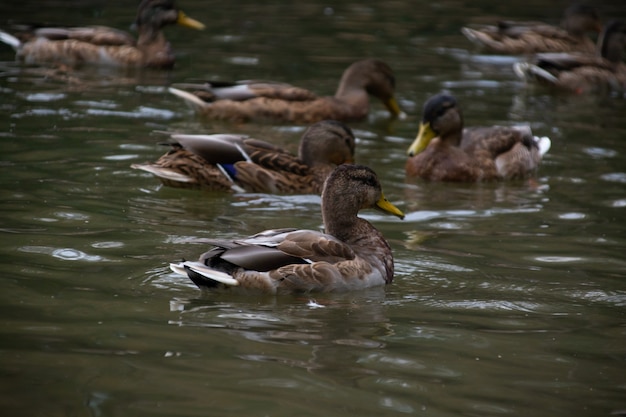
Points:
(394, 108)
(187, 21)
(424, 136)
(384, 205)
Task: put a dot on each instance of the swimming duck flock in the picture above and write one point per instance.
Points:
(350, 253)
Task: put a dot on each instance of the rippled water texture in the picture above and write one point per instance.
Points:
(508, 300)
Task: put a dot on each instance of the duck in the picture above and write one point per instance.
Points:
(580, 73)
(245, 101)
(235, 163)
(444, 151)
(105, 46)
(350, 254)
(519, 38)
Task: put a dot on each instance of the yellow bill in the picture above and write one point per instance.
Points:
(394, 108)
(384, 205)
(424, 136)
(187, 21)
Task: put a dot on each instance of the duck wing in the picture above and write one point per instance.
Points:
(245, 90)
(214, 149)
(505, 151)
(272, 169)
(96, 35)
(273, 157)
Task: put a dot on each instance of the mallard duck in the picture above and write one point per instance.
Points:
(582, 73)
(350, 255)
(252, 100)
(443, 151)
(100, 45)
(510, 37)
(237, 163)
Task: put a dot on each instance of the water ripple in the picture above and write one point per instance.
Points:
(559, 259)
(619, 203)
(615, 177)
(596, 152)
(103, 104)
(67, 254)
(43, 97)
(141, 112)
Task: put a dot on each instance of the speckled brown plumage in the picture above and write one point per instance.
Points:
(443, 151)
(253, 165)
(510, 37)
(351, 254)
(604, 71)
(245, 101)
(105, 46)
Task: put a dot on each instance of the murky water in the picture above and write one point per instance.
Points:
(509, 299)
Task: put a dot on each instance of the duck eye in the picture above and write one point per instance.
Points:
(443, 109)
(370, 181)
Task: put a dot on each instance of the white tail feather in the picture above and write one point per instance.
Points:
(527, 71)
(195, 102)
(10, 40)
(178, 268)
(544, 144)
(163, 173)
(205, 271)
(470, 34)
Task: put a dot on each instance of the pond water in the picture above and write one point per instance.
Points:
(508, 299)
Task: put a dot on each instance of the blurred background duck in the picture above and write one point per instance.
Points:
(251, 100)
(582, 73)
(517, 38)
(351, 254)
(237, 163)
(444, 151)
(100, 45)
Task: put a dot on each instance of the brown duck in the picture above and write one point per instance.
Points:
(443, 151)
(582, 73)
(351, 254)
(517, 38)
(236, 163)
(246, 100)
(104, 46)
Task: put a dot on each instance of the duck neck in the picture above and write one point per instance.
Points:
(611, 43)
(321, 171)
(149, 35)
(452, 138)
(357, 100)
(451, 128)
(352, 88)
(340, 219)
(155, 49)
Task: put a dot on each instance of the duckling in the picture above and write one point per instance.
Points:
(517, 38)
(236, 163)
(255, 100)
(582, 73)
(443, 151)
(105, 46)
(351, 254)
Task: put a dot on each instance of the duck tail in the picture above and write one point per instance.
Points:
(543, 143)
(163, 173)
(192, 100)
(10, 40)
(202, 275)
(530, 72)
(476, 36)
